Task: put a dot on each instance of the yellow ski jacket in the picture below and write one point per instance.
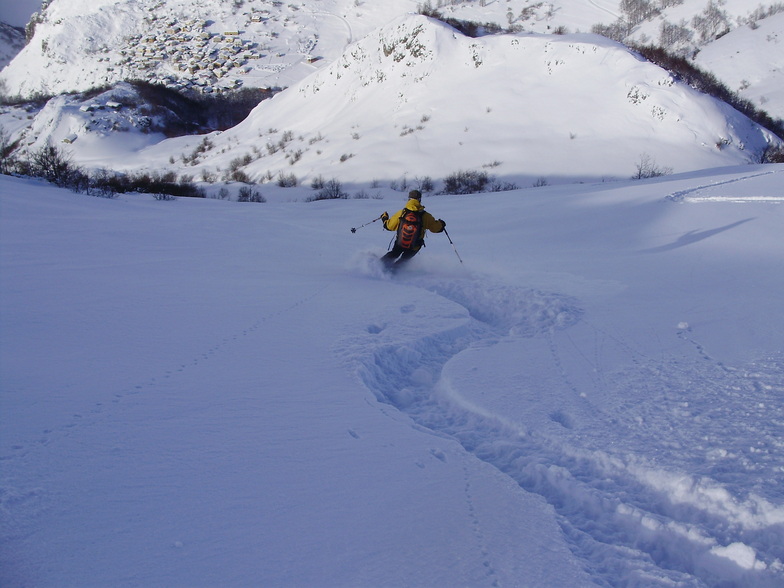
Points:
(429, 222)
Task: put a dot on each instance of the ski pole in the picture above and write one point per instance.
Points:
(453, 245)
(354, 229)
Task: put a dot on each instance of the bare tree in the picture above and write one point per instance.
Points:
(647, 168)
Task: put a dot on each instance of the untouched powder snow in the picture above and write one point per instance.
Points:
(201, 393)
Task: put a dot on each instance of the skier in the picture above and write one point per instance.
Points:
(411, 224)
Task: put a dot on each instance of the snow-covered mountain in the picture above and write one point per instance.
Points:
(750, 61)
(209, 393)
(416, 99)
(212, 45)
(735, 33)
(207, 45)
(444, 103)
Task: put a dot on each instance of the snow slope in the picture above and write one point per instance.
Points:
(201, 393)
(750, 61)
(416, 99)
(736, 40)
(99, 40)
(105, 42)
(446, 103)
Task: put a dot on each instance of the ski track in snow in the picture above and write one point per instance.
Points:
(697, 194)
(349, 31)
(609, 12)
(631, 521)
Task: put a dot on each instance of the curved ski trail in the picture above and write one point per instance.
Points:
(623, 515)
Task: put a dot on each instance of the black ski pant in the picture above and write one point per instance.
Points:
(391, 258)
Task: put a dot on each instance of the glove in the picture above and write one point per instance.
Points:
(385, 217)
(443, 224)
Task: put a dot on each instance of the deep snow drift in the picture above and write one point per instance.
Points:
(202, 392)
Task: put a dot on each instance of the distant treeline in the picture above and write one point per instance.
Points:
(55, 166)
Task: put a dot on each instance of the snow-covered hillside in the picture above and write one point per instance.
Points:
(180, 43)
(416, 99)
(420, 99)
(208, 45)
(212, 45)
(729, 38)
(750, 61)
(205, 393)
(389, 99)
